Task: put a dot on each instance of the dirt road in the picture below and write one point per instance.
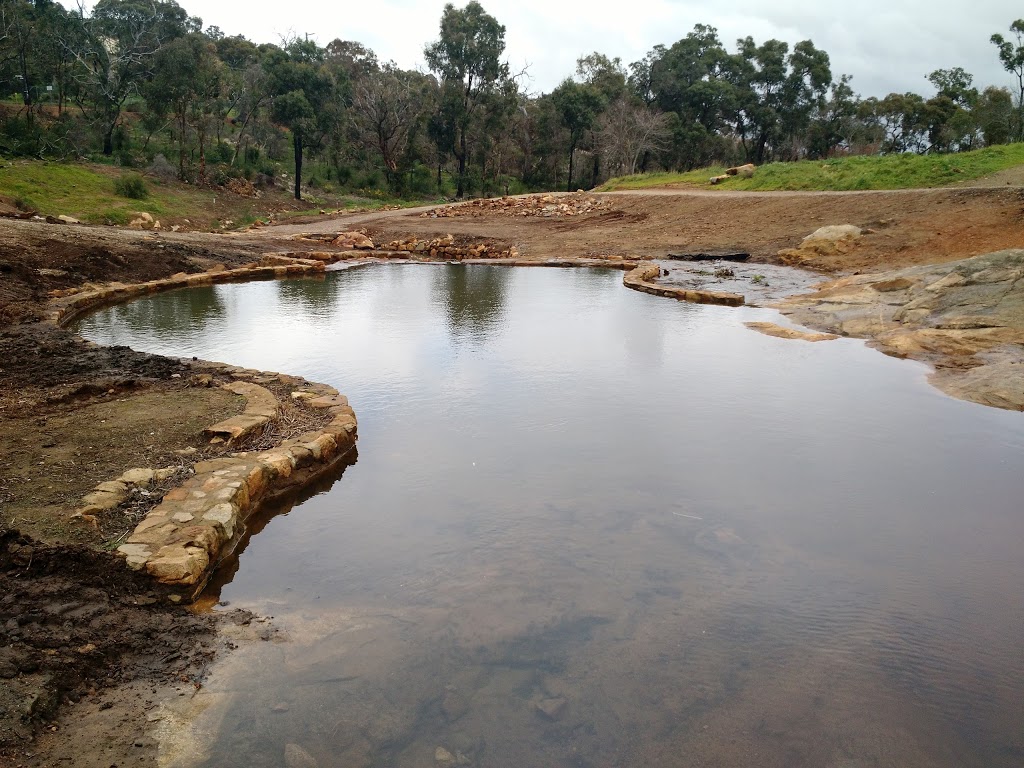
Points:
(58, 395)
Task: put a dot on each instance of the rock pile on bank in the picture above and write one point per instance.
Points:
(545, 206)
(446, 247)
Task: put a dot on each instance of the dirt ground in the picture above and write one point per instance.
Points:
(84, 644)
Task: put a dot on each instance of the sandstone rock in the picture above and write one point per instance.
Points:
(833, 233)
(296, 757)
(443, 757)
(328, 401)
(225, 516)
(353, 241)
(178, 565)
(742, 171)
(778, 331)
(103, 500)
(552, 709)
(139, 476)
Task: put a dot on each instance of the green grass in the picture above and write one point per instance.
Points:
(846, 173)
(87, 192)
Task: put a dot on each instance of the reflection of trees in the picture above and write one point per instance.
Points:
(167, 314)
(313, 295)
(473, 297)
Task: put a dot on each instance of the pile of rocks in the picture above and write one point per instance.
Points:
(446, 247)
(356, 241)
(547, 206)
(242, 187)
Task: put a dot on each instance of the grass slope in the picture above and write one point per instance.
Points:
(86, 192)
(847, 173)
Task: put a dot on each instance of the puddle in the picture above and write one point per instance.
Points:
(760, 284)
(591, 527)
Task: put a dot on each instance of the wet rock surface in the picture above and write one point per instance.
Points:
(759, 284)
(966, 318)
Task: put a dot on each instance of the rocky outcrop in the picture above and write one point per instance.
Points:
(965, 317)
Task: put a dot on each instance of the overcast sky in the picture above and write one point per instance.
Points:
(887, 45)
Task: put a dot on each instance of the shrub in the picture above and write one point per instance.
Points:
(24, 204)
(162, 169)
(131, 186)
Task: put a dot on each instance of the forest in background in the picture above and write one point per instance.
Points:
(143, 85)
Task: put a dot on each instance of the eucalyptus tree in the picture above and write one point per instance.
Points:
(387, 107)
(578, 105)
(303, 90)
(115, 54)
(779, 90)
(690, 79)
(1011, 54)
(187, 84)
(467, 58)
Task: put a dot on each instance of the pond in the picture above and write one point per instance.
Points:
(591, 527)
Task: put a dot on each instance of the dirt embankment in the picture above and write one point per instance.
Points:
(76, 625)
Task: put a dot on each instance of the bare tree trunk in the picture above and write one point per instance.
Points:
(572, 159)
(461, 189)
(297, 140)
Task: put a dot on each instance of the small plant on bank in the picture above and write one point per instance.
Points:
(131, 186)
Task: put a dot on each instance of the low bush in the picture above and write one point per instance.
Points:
(131, 186)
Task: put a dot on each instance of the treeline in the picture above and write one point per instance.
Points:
(143, 83)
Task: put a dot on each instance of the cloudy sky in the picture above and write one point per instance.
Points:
(887, 45)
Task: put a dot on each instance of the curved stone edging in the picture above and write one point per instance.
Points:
(183, 538)
(68, 307)
(639, 280)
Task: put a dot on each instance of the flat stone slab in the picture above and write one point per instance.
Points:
(261, 408)
(779, 332)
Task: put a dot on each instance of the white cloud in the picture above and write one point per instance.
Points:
(886, 45)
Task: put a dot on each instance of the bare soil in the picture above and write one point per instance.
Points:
(78, 629)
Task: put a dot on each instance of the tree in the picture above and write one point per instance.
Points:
(186, 82)
(834, 123)
(578, 106)
(386, 108)
(947, 115)
(466, 56)
(302, 90)
(1012, 57)
(115, 54)
(629, 130)
(780, 91)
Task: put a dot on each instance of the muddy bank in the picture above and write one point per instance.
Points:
(74, 626)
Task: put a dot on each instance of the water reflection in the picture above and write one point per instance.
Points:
(613, 530)
(473, 300)
(317, 296)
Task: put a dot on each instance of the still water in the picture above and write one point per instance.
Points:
(591, 527)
